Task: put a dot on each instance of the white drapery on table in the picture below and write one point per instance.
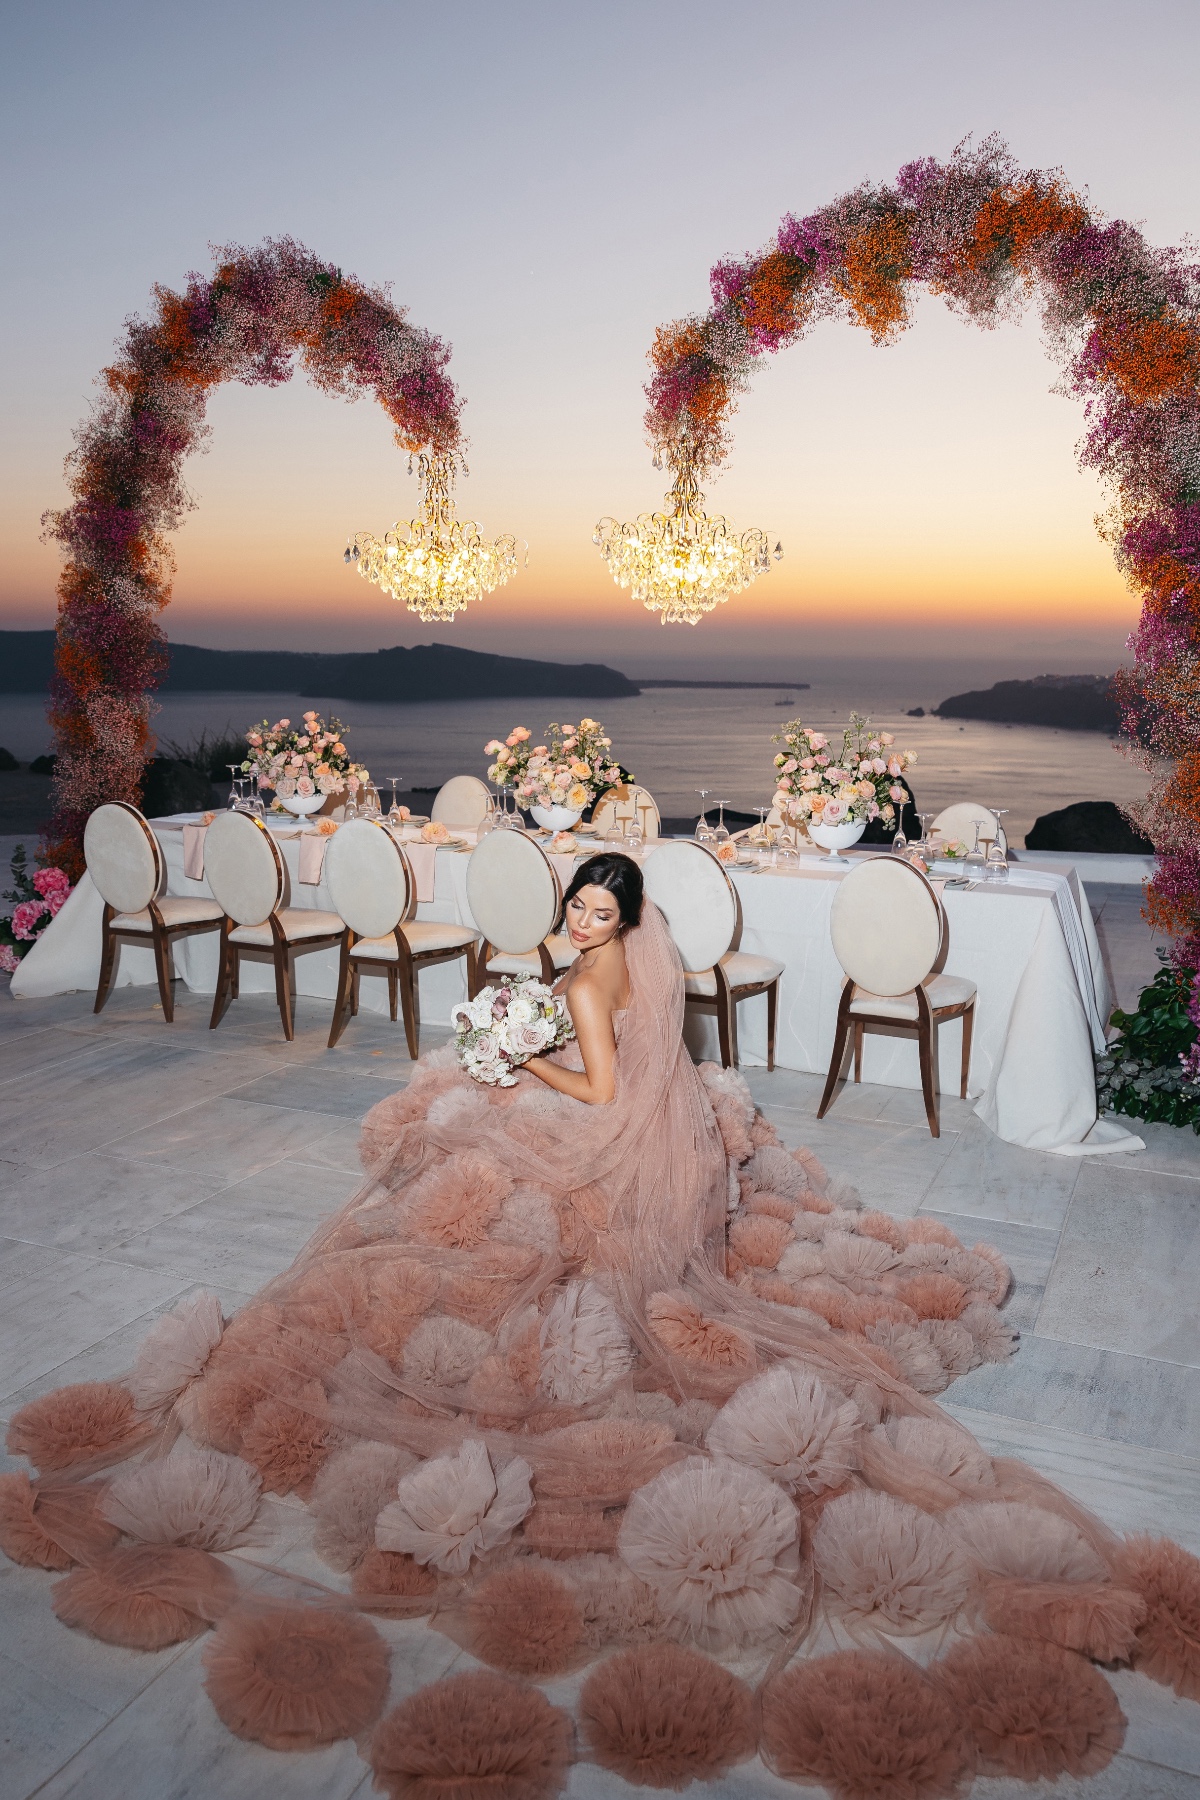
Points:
(1029, 945)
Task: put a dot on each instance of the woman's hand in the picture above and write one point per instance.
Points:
(591, 1015)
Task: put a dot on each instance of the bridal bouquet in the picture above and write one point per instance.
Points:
(504, 1026)
(861, 782)
(310, 759)
(570, 769)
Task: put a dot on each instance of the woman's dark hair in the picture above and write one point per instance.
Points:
(622, 878)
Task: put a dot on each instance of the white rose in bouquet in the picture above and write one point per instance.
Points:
(504, 1026)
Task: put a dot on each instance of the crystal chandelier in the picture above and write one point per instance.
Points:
(680, 563)
(435, 563)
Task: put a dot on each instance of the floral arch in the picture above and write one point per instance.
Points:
(1123, 319)
(249, 321)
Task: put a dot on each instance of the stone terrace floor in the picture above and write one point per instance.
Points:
(140, 1162)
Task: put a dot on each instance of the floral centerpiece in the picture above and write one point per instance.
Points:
(304, 764)
(504, 1026)
(562, 776)
(38, 899)
(861, 783)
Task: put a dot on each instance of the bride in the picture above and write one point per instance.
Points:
(595, 1367)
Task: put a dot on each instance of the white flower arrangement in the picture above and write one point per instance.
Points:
(570, 769)
(862, 782)
(312, 759)
(502, 1027)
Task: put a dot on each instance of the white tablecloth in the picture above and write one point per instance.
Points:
(1029, 946)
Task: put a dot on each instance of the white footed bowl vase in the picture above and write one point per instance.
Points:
(556, 818)
(301, 808)
(837, 837)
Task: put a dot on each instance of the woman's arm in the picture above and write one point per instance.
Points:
(591, 1016)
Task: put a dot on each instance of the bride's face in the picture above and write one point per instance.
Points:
(593, 918)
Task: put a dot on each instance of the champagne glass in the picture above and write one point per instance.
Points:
(975, 853)
(395, 817)
(721, 832)
(704, 831)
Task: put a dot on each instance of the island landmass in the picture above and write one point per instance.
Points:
(1064, 702)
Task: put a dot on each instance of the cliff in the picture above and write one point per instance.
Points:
(1066, 702)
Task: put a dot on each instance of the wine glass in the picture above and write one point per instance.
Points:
(900, 841)
(975, 853)
(704, 831)
(997, 856)
(760, 837)
(370, 805)
(233, 785)
(721, 833)
(395, 816)
(635, 835)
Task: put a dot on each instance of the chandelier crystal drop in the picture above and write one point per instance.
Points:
(435, 563)
(680, 563)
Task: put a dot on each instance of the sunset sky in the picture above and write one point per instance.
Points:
(542, 184)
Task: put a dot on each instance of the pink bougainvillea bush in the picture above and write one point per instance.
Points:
(1123, 318)
(38, 899)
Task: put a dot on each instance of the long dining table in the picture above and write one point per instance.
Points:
(1028, 943)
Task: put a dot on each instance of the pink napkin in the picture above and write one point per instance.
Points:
(423, 858)
(193, 851)
(312, 857)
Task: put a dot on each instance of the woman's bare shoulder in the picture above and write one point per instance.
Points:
(593, 993)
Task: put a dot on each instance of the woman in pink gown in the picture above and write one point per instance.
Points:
(594, 1370)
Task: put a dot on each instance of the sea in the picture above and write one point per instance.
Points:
(679, 740)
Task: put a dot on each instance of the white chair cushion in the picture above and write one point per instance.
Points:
(123, 857)
(243, 868)
(562, 953)
(696, 897)
(941, 990)
(463, 800)
(297, 922)
(367, 874)
(512, 892)
(421, 935)
(740, 970)
(885, 925)
(176, 909)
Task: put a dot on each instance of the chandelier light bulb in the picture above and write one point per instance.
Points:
(680, 563)
(436, 563)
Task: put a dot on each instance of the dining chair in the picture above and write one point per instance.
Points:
(370, 882)
(700, 904)
(627, 800)
(128, 870)
(515, 900)
(887, 928)
(245, 871)
(463, 800)
(960, 820)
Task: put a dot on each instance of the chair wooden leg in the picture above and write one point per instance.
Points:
(108, 957)
(162, 963)
(840, 1036)
(340, 1005)
(772, 1009)
(226, 974)
(968, 1029)
(724, 1012)
(858, 1049)
(283, 990)
(393, 981)
(475, 970)
(925, 1030)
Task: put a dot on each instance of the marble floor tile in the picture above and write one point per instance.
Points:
(26, 1056)
(317, 1087)
(169, 1744)
(1027, 1249)
(892, 1167)
(1128, 1266)
(1162, 1727)
(40, 1725)
(1169, 1151)
(55, 1304)
(338, 1150)
(224, 1137)
(245, 1234)
(989, 1179)
(1122, 1485)
(95, 1200)
(1099, 1393)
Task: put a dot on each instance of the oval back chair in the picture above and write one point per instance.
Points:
(627, 801)
(515, 900)
(371, 884)
(700, 904)
(463, 800)
(245, 871)
(886, 926)
(960, 820)
(128, 869)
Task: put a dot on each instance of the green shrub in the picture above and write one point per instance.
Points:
(1140, 1073)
